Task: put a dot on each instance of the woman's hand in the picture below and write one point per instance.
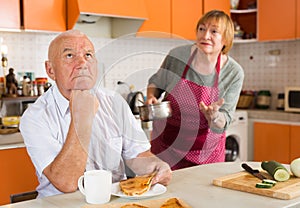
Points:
(212, 113)
(151, 100)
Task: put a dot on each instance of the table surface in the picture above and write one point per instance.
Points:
(193, 185)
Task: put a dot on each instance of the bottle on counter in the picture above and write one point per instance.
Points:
(263, 99)
(280, 101)
(34, 88)
(41, 81)
(26, 85)
(2, 87)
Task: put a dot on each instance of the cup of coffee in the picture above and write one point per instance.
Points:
(96, 186)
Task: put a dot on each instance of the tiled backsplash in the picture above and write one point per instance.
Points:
(267, 65)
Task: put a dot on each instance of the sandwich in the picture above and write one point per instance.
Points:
(137, 185)
(172, 203)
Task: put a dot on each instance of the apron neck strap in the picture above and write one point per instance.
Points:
(218, 65)
(189, 63)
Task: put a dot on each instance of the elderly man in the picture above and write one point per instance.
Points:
(77, 125)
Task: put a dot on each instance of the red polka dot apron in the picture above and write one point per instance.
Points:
(185, 139)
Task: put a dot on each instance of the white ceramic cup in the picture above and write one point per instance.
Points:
(96, 186)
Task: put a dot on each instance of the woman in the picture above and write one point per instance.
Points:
(202, 83)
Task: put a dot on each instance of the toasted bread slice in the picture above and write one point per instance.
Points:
(172, 203)
(133, 206)
(137, 185)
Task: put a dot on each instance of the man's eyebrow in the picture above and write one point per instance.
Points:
(67, 49)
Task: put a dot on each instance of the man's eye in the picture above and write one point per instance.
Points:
(69, 55)
(89, 55)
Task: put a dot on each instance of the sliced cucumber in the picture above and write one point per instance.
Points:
(263, 185)
(269, 181)
(281, 175)
(276, 170)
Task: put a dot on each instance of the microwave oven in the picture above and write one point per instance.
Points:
(292, 99)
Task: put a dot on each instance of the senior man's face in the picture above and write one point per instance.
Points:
(74, 64)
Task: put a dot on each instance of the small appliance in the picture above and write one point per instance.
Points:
(292, 99)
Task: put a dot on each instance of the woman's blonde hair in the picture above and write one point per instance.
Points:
(225, 23)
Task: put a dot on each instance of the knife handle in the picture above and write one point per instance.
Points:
(248, 168)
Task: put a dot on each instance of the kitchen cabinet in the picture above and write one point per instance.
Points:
(276, 19)
(10, 14)
(298, 19)
(245, 16)
(184, 18)
(273, 141)
(177, 18)
(262, 22)
(17, 173)
(295, 142)
(159, 19)
(223, 5)
(47, 15)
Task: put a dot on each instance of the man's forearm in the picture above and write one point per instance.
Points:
(69, 164)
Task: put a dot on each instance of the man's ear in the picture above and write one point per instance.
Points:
(49, 70)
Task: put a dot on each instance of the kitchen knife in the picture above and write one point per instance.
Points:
(254, 172)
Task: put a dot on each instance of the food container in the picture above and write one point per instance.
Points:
(280, 101)
(245, 99)
(10, 121)
(155, 111)
(263, 99)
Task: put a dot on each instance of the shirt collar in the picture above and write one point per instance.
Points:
(61, 101)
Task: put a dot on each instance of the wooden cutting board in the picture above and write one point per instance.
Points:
(244, 181)
(154, 203)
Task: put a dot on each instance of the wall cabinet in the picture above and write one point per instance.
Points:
(223, 5)
(177, 18)
(35, 15)
(265, 20)
(276, 19)
(159, 19)
(17, 173)
(48, 15)
(245, 16)
(184, 18)
(295, 142)
(10, 14)
(278, 142)
(298, 19)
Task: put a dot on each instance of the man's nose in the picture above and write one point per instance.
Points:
(81, 60)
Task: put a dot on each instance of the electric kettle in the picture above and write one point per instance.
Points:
(135, 99)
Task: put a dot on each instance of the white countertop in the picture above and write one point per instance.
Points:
(193, 185)
(274, 116)
(8, 141)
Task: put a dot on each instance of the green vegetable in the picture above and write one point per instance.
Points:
(268, 181)
(263, 185)
(276, 170)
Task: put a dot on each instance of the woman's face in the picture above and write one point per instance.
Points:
(210, 37)
(73, 64)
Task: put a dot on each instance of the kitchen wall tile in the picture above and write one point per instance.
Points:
(133, 60)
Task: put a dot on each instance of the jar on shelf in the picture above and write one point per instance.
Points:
(263, 99)
(2, 88)
(34, 88)
(41, 81)
(234, 4)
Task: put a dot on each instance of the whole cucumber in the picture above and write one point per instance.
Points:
(276, 170)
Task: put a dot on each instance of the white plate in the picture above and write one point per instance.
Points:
(155, 190)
